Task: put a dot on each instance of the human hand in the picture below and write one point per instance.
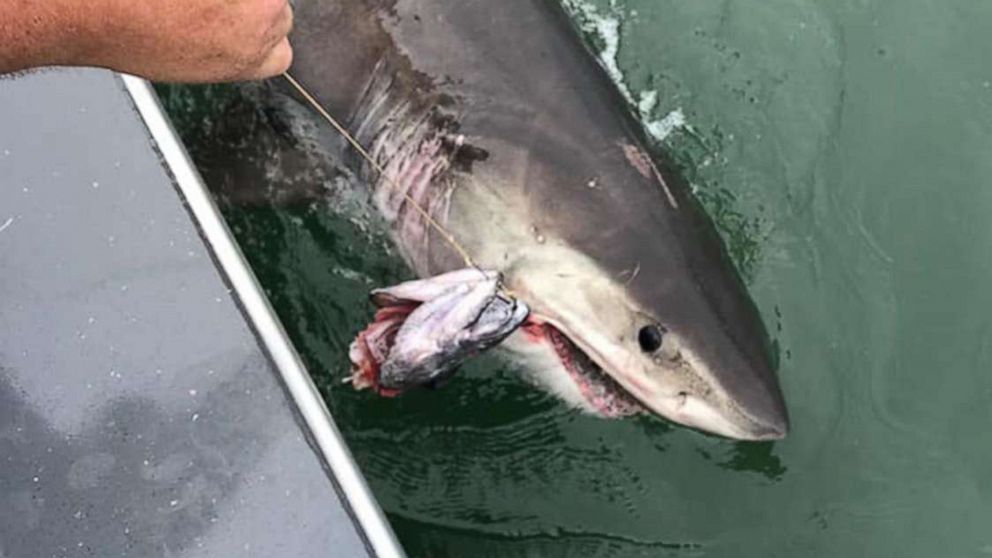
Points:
(186, 40)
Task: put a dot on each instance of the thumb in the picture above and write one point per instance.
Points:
(275, 62)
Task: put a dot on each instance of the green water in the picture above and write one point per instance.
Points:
(845, 148)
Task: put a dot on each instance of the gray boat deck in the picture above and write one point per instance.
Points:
(147, 407)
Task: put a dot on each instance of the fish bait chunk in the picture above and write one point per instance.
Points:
(425, 329)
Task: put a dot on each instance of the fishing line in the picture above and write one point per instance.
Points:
(381, 171)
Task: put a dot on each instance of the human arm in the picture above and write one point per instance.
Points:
(163, 40)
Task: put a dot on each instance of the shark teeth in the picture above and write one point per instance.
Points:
(602, 392)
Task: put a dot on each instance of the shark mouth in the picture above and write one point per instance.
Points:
(602, 394)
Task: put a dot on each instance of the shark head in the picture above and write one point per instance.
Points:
(632, 273)
(670, 348)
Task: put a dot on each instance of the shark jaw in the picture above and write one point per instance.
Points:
(575, 375)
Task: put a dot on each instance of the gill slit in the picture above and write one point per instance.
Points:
(448, 237)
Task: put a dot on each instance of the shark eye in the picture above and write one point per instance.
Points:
(650, 338)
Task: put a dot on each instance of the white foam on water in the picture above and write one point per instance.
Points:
(607, 29)
(661, 128)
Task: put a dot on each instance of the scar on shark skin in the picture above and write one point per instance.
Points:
(6, 224)
(644, 165)
(631, 273)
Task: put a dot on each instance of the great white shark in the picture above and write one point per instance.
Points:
(495, 118)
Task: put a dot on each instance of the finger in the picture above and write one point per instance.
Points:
(284, 23)
(276, 61)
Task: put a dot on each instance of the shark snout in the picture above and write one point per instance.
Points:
(755, 405)
(726, 418)
(771, 423)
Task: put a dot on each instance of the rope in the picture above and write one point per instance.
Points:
(381, 171)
